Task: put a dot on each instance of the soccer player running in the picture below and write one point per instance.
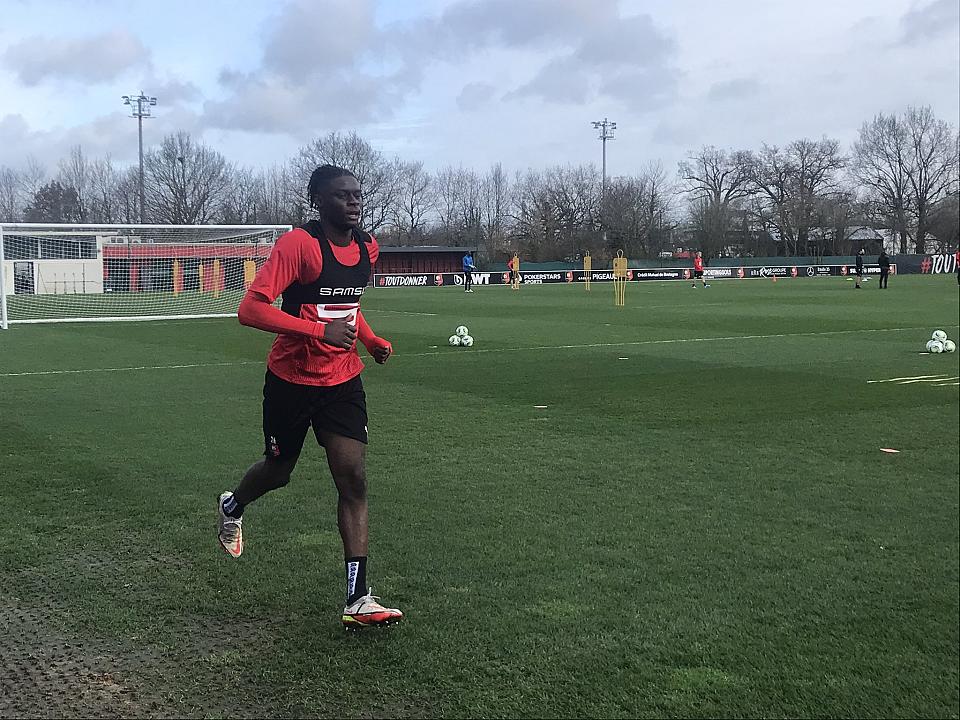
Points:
(313, 373)
(884, 262)
(468, 268)
(859, 269)
(698, 270)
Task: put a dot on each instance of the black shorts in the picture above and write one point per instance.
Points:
(697, 274)
(289, 410)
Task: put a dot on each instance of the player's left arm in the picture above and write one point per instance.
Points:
(378, 348)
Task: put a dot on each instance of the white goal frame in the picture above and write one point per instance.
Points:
(237, 237)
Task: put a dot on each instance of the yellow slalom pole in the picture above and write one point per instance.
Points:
(249, 272)
(216, 278)
(619, 279)
(587, 270)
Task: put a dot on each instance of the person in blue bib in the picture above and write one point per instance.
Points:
(468, 268)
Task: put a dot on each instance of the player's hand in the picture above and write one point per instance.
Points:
(381, 351)
(340, 333)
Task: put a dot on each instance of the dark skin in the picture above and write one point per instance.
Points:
(339, 206)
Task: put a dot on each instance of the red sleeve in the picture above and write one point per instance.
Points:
(278, 273)
(366, 335)
(373, 250)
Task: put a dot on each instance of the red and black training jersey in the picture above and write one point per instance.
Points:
(319, 281)
(698, 264)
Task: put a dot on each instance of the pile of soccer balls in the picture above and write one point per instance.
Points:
(939, 343)
(461, 337)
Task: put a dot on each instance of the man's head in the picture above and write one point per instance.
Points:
(861, 252)
(699, 254)
(335, 193)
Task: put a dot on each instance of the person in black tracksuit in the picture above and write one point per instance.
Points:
(859, 268)
(884, 262)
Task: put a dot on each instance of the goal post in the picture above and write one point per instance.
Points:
(84, 273)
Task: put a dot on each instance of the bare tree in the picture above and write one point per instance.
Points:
(415, 199)
(105, 199)
(244, 202)
(575, 192)
(128, 195)
(534, 226)
(790, 183)
(495, 201)
(932, 164)
(11, 199)
(187, 182)
(635, 207)
(945, 222)
(32, 177)
(75, 172)
(459, 205)
(378, 176)
(879, 166)
(715, 180)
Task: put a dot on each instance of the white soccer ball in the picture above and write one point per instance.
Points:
(466, 341)
(949, 346)
(463, 332)
(935, 346)
(939, 335)
(454, 340)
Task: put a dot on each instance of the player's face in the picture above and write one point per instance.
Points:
(340, 203)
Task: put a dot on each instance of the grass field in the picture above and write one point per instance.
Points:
(699, 523)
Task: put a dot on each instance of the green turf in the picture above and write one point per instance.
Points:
(693, 527)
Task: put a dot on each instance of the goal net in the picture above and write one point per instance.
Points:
(63, 273)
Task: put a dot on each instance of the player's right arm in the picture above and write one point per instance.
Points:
(279, 272)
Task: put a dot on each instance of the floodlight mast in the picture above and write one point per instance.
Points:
(606, 128)
(140, 108)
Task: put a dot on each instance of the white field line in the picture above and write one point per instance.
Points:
(949, 384)
(397, 312)
(635, 343)
(137, 367)
(934, 380)
(911, 377)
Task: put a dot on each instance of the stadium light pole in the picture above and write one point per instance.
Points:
(606, 129)
(140, 108)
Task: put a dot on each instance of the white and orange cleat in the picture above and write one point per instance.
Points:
(367, 612)
(229, 529)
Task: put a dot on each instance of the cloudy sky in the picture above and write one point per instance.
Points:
(468, 81)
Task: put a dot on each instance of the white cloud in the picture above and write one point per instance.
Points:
(926, 22)
(94, 59)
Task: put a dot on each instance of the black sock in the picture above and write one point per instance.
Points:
(356, 578)
(231, 508)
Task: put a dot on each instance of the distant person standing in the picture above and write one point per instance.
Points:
(859, 268)
(698, 270)
(884, 262)
(468, 268)
(512, 267)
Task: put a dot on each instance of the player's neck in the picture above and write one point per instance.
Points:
(336, 235)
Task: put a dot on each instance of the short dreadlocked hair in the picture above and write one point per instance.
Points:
(321, 177)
